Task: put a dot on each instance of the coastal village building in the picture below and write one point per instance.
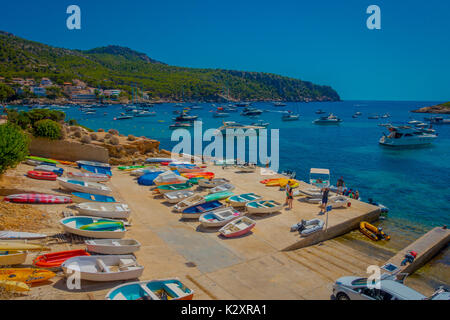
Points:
(46, 82)
(83, 97)
(112, 92)
(39, 91)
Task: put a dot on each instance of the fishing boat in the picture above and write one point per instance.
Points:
(12, 257)
(37, 198)
(211, 183)
(96, 170)
(42, 175)
(47, 168)
(112, 246)
(372, 232)
(89, 177)
(17, 235)
(166, 289)
(320, 178)
(330, 119)
(237, 227)
(189, 202)
(104, 210)
(196, 211)
(93, 164)
(82, 197)
(242, 199)
(263, 206)
(173, 187)
(26, 275)
(104, 268)
(221, 195)
(94, 227)
(84, 186)
(219, 217)
(55, 259)
(177, 196)
(405, 136)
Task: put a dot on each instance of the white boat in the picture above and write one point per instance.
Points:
(251, 167)
(84, 186)
(211, 183)
(242, 199)
(177, 196)
(112, 246)
(167, 177)
(141, 171)
(89, 177)
(219, 217)
(237, 227)
(330, 119)
(263, 206)
(103, 209)
(406, 136)
(222, 187)
(74, 225)
(12, 257)
(103, 268)
(12, 235)
(189, 202)
(93, 163)
(338, 201)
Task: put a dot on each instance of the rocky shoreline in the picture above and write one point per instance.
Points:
(437, 109)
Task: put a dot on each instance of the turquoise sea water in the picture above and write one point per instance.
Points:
(412, 183)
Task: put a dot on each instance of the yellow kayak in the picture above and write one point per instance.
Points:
(18, 245)
(277, 182)
(10, 258)
(293, 183)
(14, 286)
(27, 275)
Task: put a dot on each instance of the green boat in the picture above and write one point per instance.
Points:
(131, 167)
(195, 180)
(42, 159)
(218, 196)
(174, 187)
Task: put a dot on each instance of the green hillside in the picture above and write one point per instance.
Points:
(117, 67)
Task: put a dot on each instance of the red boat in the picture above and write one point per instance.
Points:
(37, 198)
(206, 175)
(55, 259)
(42, 175)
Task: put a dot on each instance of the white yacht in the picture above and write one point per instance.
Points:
(406, 136)
(331, 119)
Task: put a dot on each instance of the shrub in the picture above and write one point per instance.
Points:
(93, 136)
(131, 137)
(86, 139)
(113, 132)
(13, 146)
(100, 130)
(47, 129)
(114, 141)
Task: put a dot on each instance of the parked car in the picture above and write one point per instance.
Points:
(356, 288)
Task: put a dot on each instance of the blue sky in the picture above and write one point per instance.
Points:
(323, 41)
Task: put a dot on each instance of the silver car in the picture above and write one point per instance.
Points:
(356, 288)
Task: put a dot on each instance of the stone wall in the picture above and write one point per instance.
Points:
(67, 150)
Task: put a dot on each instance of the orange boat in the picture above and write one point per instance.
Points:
(55, 259)
(207, 175)
(268, 180)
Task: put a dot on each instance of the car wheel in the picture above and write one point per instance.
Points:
(342, 296)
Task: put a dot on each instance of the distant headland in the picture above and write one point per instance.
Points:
(443, 108)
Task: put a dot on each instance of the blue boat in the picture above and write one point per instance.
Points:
(93, 169)
(167, 289)
(197, 210)
(81, 196)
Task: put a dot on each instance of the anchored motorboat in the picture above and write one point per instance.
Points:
(406, 136)
(330, 119)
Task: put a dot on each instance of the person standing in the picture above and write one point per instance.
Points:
(340, 185)
(287, 194)
(290, 196)
(325, 192)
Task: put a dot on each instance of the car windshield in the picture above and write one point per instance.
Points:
(359, 282)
